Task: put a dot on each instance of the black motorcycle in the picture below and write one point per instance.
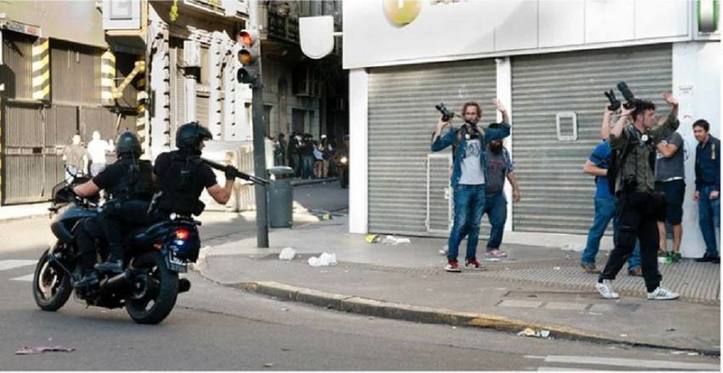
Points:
(154, 257)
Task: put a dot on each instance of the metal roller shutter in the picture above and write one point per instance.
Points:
(556, 195)
(401, 120)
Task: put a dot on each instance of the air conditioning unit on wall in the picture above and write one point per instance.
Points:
(191, 53)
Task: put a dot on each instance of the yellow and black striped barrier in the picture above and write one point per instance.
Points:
(41, 70)
(142, 118)
(107, 77)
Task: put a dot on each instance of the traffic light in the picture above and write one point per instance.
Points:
(249, 55)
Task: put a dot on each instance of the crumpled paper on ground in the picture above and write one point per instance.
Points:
(287, 253)
(392, 240)
(529, 332)
(323, 260)
(30, 350)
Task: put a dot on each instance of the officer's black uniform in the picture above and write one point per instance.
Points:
(181, 175)
(129, 186)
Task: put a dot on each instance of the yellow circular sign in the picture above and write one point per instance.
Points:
(402, 12)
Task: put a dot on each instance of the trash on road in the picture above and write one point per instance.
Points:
(392, 240)
(444, 250)
(287, 253)
(30, 350)
(372, 238)
(492, 259)
(323, 260)
(268, 365)
(556, 268)
(529, 332)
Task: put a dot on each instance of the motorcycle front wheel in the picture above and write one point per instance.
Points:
(161, 291)
(51, 285)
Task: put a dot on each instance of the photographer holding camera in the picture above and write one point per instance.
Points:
(639, 207)
(469, 174)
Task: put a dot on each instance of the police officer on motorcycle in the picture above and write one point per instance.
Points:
(181, 176)
(129, 186)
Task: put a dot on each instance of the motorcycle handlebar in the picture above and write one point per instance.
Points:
(237, 173)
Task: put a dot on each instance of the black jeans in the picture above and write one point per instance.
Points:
(89, 238)
(119, 217)
(637, 215)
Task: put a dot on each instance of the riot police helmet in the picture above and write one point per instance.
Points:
(190, 136)
(127, 144)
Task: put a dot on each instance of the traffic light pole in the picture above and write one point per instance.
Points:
(257, 109)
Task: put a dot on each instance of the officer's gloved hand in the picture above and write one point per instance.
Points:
(230, 172)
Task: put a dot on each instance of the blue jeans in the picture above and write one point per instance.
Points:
(709, 220)
(307, 170)
(496, 210)
(469, 202)
(604, 212)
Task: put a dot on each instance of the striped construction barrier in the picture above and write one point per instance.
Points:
(107, 78)
(41, 69)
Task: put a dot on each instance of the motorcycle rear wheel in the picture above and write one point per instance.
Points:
(51, 285)
(160, 298)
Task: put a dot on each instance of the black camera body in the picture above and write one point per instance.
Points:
(446, 114)
(630, 101)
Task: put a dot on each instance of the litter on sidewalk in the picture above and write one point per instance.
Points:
(529, 332)
(29, 350)
(392, 240)
(287, 253)
(323, 260)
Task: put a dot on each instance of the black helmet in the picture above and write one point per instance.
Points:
(190, 135)
(127, 144)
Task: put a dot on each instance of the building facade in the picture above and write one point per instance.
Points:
(549, 62)
(150, 66)
(52, 76)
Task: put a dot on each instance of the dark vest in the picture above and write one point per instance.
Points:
(136, 183)
(179, 185)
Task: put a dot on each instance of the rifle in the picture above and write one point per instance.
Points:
(237, 173)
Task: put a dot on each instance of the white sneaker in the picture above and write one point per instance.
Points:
(605, 288)
(662, 294)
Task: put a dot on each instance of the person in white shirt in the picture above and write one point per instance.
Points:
(97, 149)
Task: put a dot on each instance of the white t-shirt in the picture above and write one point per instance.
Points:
(472, 173)
(96, 151)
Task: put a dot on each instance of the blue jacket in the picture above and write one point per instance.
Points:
(449, 138)
(707, 164)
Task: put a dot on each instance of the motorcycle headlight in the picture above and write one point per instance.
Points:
(343, 160)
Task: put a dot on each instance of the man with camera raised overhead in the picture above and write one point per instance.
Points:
(468, 175)
(633, 140)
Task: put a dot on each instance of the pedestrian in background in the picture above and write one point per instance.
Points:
(707, 188)
(97, 152)
(75, 158)
(499, 168)
(670, 180)
(597, 165)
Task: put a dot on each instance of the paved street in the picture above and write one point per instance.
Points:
(216, 327)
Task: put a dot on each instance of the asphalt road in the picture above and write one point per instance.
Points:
(219, 328)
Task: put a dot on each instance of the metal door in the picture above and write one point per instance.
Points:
(556, 196)
(401, 121)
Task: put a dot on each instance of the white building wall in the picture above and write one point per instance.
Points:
(444, 31)
(358, 151)
(696, 84)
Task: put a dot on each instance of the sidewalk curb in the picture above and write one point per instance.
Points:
(24, 217)
(314, 181)
(399, 311)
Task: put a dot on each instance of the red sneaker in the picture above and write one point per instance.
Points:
(473, 264)
(452, 266)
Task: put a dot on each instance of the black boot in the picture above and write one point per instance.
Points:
(90, 278)
(110, 266)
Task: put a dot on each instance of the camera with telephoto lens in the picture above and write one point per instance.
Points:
(614, 102)
(446, 114)
(630, 101)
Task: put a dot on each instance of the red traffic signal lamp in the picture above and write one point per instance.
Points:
(248, 56)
